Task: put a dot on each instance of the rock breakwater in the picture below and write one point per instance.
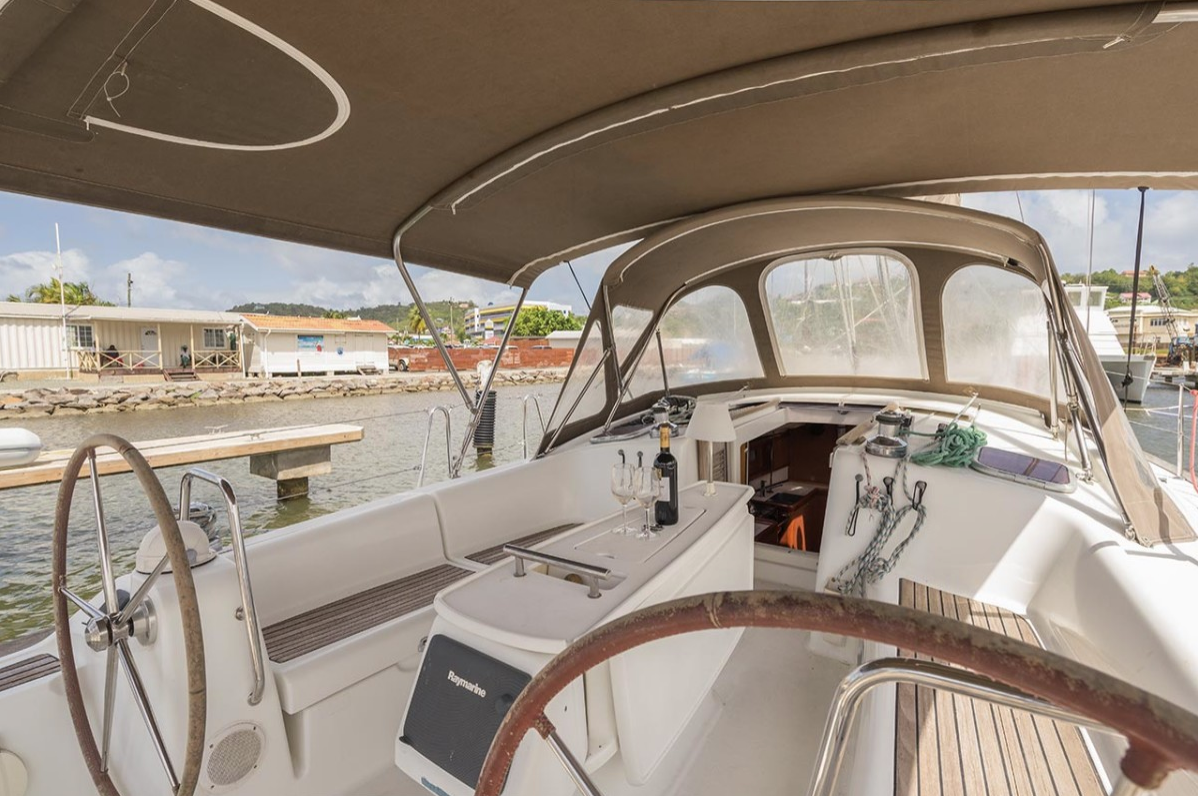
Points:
(80, 399)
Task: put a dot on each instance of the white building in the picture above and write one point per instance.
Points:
(492, 320)
(282, 344)
(109, 341)
(1152, 323)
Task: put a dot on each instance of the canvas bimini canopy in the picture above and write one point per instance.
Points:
(507, 136)
(864, 293)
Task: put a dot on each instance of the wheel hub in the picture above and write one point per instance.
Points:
(103, 632)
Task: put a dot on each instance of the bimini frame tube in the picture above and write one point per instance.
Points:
(476, 407)
(1082, 395)
(424, 313)
(472, 406)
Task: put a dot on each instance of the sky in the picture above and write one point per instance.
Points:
(180, 265)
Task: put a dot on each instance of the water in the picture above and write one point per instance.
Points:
(383, 463)
(1155, 424)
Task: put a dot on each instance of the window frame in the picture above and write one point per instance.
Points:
(832, 255)
(224, 335)
(73, 333)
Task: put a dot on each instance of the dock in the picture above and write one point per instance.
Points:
(287, 455)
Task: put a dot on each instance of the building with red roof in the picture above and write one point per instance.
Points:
(292, 345)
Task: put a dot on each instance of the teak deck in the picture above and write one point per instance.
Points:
(328, 624)
(948, 745)
(351, 615)
(50, 466)
(27, 670)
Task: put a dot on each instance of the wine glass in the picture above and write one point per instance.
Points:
(646, 484)
(621, 489)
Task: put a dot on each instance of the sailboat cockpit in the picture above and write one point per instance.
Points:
(835, 494)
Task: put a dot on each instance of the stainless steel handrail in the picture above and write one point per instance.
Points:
(847, 700)
(590, 573)
(248, 610)
(536, 402)
(1181, 424)
(428, 433)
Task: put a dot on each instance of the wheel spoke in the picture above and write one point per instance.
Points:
(102, 536)
(147, 713)
(574, 769)
(110, 668)
(142, 591)
(84, 605)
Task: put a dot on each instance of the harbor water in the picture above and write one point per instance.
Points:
(386, 461)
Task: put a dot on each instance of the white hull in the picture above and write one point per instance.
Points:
(1142, 366)
(18, 447)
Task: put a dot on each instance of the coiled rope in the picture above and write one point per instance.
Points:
(954, 446)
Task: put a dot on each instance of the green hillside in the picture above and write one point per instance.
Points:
(394, 315)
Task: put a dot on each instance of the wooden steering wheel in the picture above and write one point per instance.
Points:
(1162, 736)
(110, 627)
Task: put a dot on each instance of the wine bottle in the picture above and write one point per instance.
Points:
(667, 466)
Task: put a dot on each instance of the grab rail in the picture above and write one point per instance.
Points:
(536, 402)
(428, 433)
(849, 694)
(590, 573)
(248, 610)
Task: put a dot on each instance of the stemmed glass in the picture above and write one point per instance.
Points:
(621, 489)
(646, 484)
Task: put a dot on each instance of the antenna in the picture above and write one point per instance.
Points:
(128, 289)
(62, 299)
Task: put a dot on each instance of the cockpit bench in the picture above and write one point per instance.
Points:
(27, 670)
(328, 624)
(946, 744)
(490, 555)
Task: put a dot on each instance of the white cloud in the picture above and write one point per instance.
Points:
(157, 282)
(1063, 218)
(21, 270)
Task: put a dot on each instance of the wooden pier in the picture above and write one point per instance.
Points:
(287, 455)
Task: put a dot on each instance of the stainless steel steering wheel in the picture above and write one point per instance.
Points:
(110, 627)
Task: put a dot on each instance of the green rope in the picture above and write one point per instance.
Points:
(955, 446)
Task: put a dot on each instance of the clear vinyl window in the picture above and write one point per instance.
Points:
(995, 330)
(627, 326)
(705, 337)
(588, 355)
(847, 315)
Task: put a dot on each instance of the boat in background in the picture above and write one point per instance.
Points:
(18, 447)
(1089, 301)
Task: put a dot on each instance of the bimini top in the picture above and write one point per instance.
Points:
(536, 130)
(850, 292)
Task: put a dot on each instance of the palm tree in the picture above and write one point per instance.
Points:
(415, 322)
(75, 293)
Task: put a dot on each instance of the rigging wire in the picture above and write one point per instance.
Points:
(1019, 202)
(1135, 294)
(1090, 262)
(580, 290)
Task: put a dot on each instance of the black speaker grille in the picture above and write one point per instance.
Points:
(461, 696)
